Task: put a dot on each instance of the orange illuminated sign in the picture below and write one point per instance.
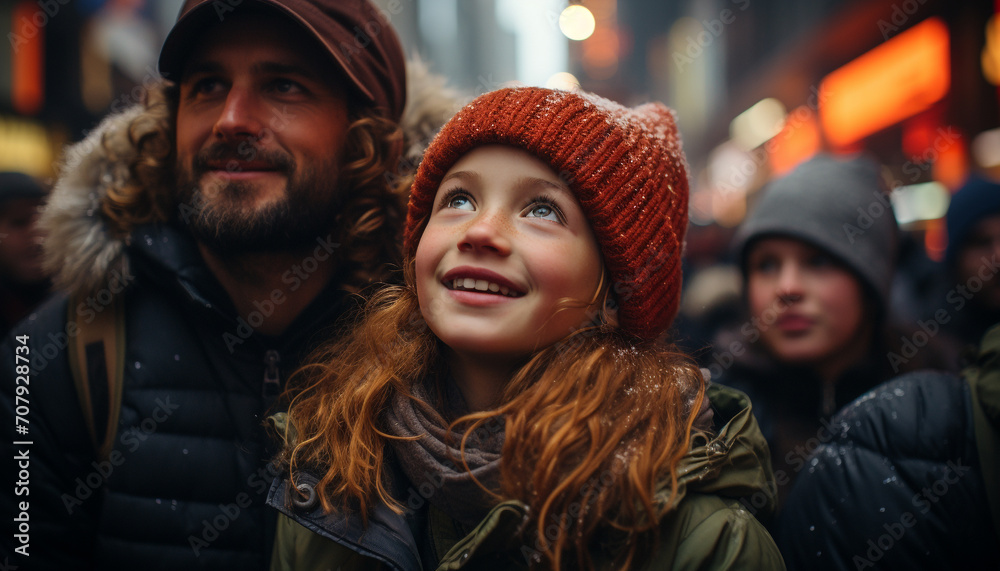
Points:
(28, 65)
(896, 80)
(798, 140)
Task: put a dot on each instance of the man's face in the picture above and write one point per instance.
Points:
(261, 124)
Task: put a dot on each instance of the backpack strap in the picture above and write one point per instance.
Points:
(97, 363)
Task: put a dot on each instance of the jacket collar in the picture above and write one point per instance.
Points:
(387, 538)
(736, 462)
(169, 255)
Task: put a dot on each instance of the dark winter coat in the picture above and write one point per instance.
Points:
(185, 484)
(900, 485)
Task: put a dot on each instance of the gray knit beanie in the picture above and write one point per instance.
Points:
(837, 205)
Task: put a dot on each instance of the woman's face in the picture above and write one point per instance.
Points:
(808, 308)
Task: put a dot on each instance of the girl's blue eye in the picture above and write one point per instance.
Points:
(460, 202)
(544, 211)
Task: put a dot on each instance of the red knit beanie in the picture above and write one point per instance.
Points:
(624, 165)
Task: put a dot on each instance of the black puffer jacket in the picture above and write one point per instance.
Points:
(898, 487)
(185, 485)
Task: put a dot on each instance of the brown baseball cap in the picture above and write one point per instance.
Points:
(355, 34)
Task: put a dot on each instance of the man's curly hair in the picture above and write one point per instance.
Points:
(368, 225)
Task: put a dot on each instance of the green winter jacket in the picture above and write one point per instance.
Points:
(983, 377)
(712, 527)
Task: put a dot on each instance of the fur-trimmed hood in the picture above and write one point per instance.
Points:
(82, 252)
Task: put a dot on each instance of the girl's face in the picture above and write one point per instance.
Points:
(505, 245)
(808, 308)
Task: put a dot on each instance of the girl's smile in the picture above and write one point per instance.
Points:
(481, 280)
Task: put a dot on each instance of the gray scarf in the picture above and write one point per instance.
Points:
(433, 461)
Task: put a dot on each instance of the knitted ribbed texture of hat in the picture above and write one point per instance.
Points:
(624, 165)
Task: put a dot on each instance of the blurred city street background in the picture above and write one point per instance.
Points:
(758, 85)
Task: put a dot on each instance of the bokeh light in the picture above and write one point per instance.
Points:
(917, 202)
(757, 124)
(563, 80)
(577, 22)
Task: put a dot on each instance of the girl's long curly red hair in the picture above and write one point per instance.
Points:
(594, 425)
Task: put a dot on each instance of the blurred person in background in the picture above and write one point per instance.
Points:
(817, 254)
(971, 300)
(23, 282)
(225, 224)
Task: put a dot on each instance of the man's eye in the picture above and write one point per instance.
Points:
(206, 85)
(286, 86)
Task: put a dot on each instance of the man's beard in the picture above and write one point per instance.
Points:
(227, 226)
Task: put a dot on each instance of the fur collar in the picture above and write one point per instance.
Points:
(81, 251)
